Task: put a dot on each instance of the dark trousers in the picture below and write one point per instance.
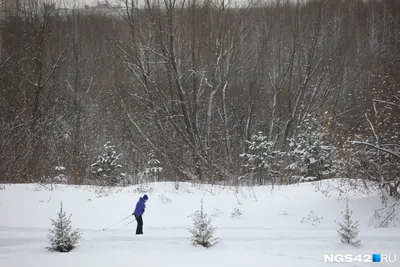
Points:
(139, 228)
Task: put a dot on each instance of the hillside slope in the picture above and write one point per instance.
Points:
(270, 232)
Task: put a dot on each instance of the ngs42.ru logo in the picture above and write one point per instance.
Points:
(359, 258)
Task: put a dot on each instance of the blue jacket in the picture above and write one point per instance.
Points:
(140, 207)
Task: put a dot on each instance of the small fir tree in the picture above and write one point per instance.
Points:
(203, 232)
(153, 168)
(348, 230)
(62, 237)
(106, 167)
(261, 160)
(311, 156)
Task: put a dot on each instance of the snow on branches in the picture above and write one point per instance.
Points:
(106, 167)
(153, 168)
(62, 237)
(348, 229)
(202, 231)
(377, 158)
(262, 159)
(309, 154)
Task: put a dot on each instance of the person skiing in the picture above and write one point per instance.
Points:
(139, 210)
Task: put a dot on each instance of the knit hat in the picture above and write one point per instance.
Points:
(145, 197)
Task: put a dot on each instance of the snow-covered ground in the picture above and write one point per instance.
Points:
(270, 232)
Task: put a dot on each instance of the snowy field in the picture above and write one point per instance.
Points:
(271, 231)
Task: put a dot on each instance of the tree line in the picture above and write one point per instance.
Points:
(206, 90)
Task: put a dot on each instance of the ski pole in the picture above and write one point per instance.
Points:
(117, 223)
(124, 226)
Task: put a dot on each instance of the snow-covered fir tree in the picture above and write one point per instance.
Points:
(106, 168)
(60, 178)
(153, 167)
(348, 229)
(262, 159)
(203, 231)
(310, 156)
(62, 237)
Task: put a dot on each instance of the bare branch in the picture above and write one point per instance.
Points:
(378, 147)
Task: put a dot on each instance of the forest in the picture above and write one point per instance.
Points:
(266, 92)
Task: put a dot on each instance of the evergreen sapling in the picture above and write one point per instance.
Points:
(203, 232)
(348, 230)
(106, 167)
(311, 157)
(62, 237)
